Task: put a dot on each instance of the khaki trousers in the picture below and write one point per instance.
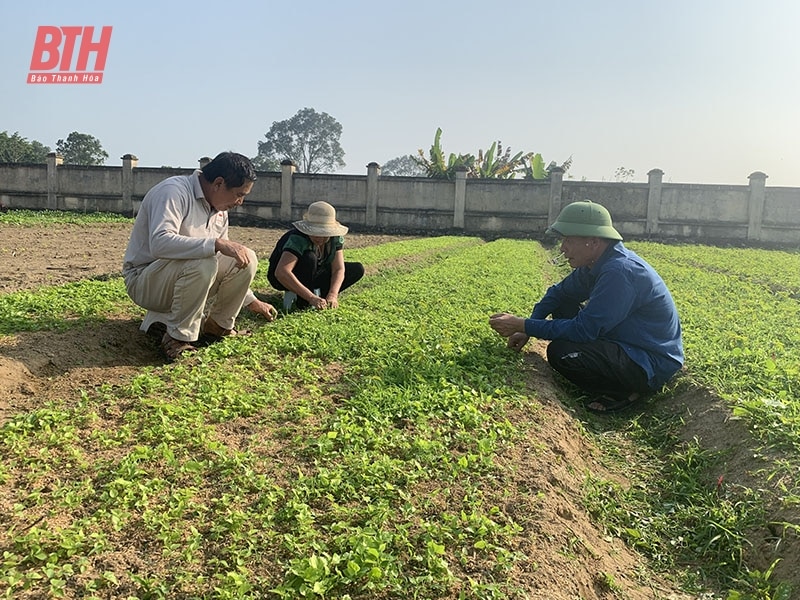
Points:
(182, 293)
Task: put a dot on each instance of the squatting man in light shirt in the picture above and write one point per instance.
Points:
(180, 264)
(615, 329)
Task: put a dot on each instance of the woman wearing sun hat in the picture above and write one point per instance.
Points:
(308, 261)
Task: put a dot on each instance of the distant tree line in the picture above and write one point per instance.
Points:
(311, 140)
(76, 149)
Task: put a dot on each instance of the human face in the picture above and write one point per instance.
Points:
(580, 251)
(221, 197)
(318, 240)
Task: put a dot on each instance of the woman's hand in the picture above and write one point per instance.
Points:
(318, 302)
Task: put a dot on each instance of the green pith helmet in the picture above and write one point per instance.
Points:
(584, 219)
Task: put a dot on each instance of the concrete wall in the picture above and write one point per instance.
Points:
(750, 212)
(23, 186)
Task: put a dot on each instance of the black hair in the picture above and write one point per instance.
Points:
(234, 168)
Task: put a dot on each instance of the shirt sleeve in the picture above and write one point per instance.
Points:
(573, 289)
(167, 215)
(224, 230)
(297, 245)
(249, 297)
(609, 303)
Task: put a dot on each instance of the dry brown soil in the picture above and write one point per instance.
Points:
(567, 556)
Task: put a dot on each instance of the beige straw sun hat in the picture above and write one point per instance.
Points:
(320, 220)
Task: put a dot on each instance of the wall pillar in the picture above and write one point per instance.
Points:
(556, 190)
(129, 162)
(655, 178)
(460, 198)
(758, 184)
(53, 161)
(373, 172)
(287, 170)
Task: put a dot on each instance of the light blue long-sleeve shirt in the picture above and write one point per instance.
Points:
(626, 302)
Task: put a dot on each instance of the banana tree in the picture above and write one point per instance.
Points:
(435, 165)
(536, 169)
(495, 163)
(499, 166)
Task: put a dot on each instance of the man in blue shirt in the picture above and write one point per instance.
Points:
(615, 330)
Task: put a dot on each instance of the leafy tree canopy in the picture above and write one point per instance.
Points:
(15, 148)
(309, 139)
(403, 166)
(263, 163)
(81, 149)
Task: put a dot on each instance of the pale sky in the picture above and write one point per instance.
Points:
(707, 91)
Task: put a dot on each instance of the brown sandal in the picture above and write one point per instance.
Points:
(213, 333)
(173, 349)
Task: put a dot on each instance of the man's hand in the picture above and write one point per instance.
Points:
(510, 327)
(516, 341)
(506, 324)
(235, 250)
(263, 308)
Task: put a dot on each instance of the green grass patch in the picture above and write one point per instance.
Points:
(352, 453)
(359, 426)
(49, 217)
(63, 306)
(740, 330)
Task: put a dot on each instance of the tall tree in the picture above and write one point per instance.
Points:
(310, 139)
(81, 149)
(262, 163)
(15, 148)
(404, 166)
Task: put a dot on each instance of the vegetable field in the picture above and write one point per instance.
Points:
(394, 448)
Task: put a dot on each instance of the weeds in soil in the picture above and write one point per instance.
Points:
(677, 509)
(317, 458)
(674, 511)
(352, 453)
(48, 217)
(63, 306)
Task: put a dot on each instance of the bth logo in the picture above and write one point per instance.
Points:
(54, 50)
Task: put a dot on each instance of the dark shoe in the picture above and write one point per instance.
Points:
(605, 403)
